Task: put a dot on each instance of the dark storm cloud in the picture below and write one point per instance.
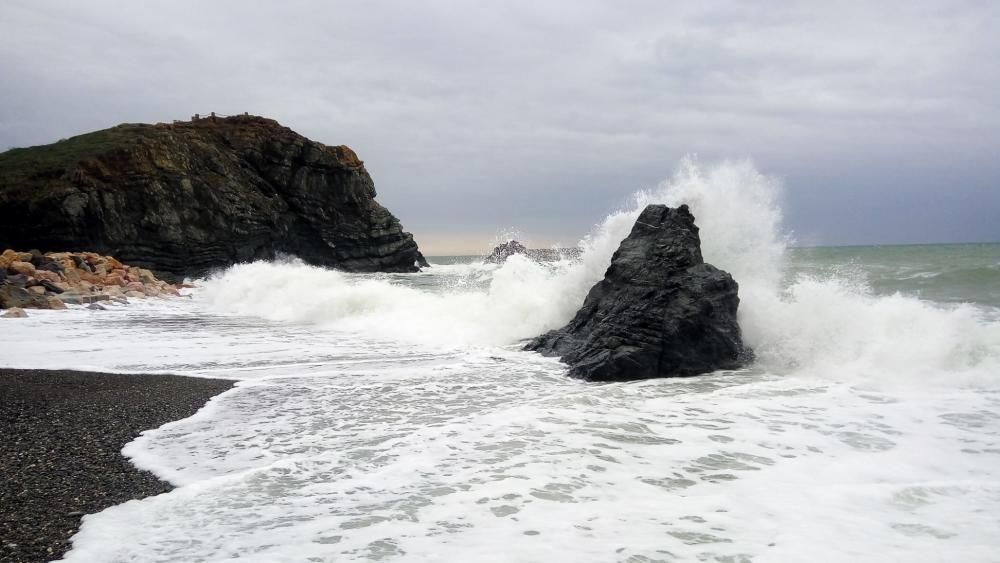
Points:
(475, 117)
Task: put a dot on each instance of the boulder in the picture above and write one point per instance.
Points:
(53, 287)
(12, 296)
(660, 310)
(72, 275)
(23, 268)
(145, 276)
(55, 303)
(81, 263)
(502, 252)
(184, 198)
(47, 275)
(43, 262)
(7, 258)
(14, 313)
(115, 279)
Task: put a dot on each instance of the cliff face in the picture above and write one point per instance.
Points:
(183, 198)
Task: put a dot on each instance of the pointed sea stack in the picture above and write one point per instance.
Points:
(184, 198)
(660, 310)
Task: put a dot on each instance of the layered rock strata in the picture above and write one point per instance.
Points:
(182, 199)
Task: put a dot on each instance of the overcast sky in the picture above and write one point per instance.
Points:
(882, 118)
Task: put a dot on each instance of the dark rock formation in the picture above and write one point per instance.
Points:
(660, 310)
(183, 198)
(502, 252)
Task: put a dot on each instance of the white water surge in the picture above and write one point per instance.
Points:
(393, 417)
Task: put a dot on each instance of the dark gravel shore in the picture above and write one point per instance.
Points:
(60, 437)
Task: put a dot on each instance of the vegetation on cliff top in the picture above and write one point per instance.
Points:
(37, 167)
(49, 162)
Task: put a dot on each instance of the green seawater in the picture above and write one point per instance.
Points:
(946, 273)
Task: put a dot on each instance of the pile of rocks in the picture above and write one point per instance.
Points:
(32, 280)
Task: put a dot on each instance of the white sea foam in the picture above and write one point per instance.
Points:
(832, 326)
(394, 418)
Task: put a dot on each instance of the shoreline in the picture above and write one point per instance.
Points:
(61, 435)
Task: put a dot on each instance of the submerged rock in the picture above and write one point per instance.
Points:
(660, 310)
(183, 198)
(14, 313)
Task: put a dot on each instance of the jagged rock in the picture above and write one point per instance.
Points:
(502, 252)
(183, 198)
(660, 310)
(14, 313)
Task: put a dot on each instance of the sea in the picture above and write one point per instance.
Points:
(394, 417)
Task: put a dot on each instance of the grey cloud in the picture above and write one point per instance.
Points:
(476, 116)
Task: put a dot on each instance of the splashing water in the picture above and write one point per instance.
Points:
(828, 325)
(393, 418)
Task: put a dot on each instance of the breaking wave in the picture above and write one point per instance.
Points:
(831, 325)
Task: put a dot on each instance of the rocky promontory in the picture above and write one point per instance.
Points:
(660, 310)
(183, 198)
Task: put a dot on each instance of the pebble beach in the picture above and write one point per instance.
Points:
(61, 434)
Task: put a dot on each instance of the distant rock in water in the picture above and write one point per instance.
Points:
(183, 198)
(502, 252)
(660, 310)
